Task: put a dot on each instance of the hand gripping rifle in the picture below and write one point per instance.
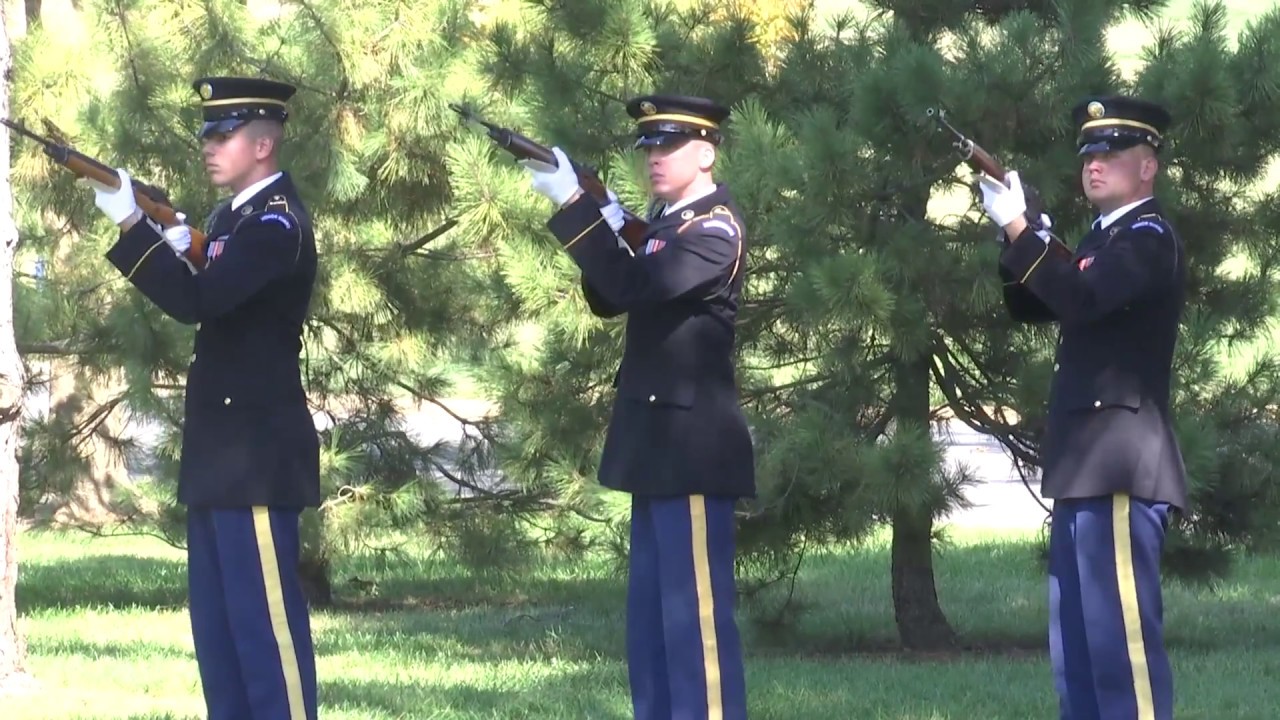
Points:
(522, 148)
(982, 161)
(150, 200)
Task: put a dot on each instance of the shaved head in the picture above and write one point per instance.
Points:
(266, 130)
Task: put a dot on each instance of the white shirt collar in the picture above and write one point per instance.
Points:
(701, 194)
(1116, 214)
(243, 196)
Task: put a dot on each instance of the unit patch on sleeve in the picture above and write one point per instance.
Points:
(283, 220)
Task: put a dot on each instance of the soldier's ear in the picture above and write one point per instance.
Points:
(706, 156)
(265, 146)
(1150, 166)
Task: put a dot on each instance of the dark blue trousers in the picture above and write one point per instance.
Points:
(684, 657)
(248, 614)
(1106, 638)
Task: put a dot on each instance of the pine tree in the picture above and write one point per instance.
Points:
(906, 290)
(872, 302)
(560, 74)
(398, 306)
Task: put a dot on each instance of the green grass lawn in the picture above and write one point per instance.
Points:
(108, 639)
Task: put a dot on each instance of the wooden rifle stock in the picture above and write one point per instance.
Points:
(634, 230)
(982, 161)
(150, 200)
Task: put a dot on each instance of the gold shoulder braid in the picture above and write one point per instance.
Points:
(723, 217)
(275, 206)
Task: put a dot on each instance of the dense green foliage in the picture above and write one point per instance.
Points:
(872, 305)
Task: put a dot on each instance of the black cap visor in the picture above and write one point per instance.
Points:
(220, 127)
(1113, 140)
(662, 139)
(669, 133)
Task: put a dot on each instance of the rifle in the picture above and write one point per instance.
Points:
(522, 148)
(982, 161)
(150, 200)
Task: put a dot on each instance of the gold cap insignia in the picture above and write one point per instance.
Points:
(206, 90)
(648, 108)
(686, 215)
(1096, 110)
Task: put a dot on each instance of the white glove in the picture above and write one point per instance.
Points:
(1047, 223)
(179, 238)
(1002, 204)
(559, 183)
(613, 213)
(118, 203)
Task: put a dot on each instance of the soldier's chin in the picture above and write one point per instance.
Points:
(1096, 194)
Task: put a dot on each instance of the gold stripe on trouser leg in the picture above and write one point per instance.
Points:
(706, 605)
(1123, 544)
(279, 618)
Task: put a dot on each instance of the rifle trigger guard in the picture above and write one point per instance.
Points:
(965, 147)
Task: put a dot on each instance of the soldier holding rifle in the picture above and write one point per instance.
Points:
(1111, 461)
(250, 455)
(678, 440)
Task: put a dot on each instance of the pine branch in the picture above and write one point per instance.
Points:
(57, 348)
(135, 517)
(482, 427)
(761, 392)
(343, 79)
(554, 80)
(784, 364)
(413, 247)
(122, 17)
(267, 66)
(447, 257)
(87, 426)
(513, 497)
(972, 414)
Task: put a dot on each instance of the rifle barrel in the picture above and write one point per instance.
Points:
(634, 229)
(970, 151)
(86, 167)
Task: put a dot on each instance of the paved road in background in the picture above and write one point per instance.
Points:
(1000, 500)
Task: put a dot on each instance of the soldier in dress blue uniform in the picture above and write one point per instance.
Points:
(1111, 461)
(250, 455)
(678, 440)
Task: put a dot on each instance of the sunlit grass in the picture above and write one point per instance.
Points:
(416, 636)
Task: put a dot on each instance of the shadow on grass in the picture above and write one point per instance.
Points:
(564, 634)
(138, 651)
(461, 590)
(579, 694)
(116, 581)
(993, 593)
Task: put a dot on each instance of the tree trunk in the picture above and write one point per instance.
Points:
(12, 650)
(921, 622)
(91, 500)
(74, 399)
(313, 566)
